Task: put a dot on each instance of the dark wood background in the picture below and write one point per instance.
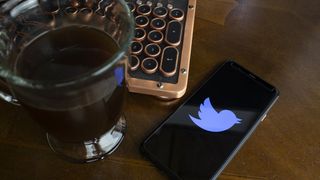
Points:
(278, 40)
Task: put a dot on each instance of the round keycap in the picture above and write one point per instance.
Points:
(85, 11)
(134, 63)
(142, 21)
(149, 3)
(144, 9)
(152, 50)
(149, 65)
(131, 6)
(139, 34)
(70, 10)
(136, 47)
(85, 14)
(139, 2)
(176, 14)
(155, 36)
(158, 24)
(160, 12)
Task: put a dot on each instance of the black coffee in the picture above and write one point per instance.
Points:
(66, 54)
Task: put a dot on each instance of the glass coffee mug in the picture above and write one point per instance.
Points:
(64, 62)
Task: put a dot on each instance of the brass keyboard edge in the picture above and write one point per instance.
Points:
(170, 90)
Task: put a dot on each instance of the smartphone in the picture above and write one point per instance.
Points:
(161, 48)
(199, 139)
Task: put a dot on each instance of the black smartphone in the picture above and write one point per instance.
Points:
(199, 139)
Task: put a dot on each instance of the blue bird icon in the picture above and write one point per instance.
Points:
(213, 121)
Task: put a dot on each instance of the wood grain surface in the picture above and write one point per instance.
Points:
(278, 40)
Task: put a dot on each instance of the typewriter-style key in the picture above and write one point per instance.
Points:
(144, 9)
(52, 6)
(169, 61)
(149, 65)
(158, 23)
(173, 33)
(134, 63)
(74, 3)
(136, 47)
(159, 4)
(139, 34)
(85, 14)
(155, 36)
(131, 6)
(169, 6)
(86, 11)
(149, 3)
(71, 12)
(139, 2)
(176, 14)
(142, 21)
(160, 12)
(152, 50)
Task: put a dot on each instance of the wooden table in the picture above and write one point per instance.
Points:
(278, 40)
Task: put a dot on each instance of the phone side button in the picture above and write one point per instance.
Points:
(264, 116)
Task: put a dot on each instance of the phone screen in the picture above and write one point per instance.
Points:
(198, 140)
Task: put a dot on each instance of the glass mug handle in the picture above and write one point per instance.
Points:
(7, 96)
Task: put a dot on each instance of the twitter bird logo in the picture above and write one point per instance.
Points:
(211, 120)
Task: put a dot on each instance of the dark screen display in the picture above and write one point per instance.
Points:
(198, 139)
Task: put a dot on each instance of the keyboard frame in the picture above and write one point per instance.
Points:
(163, 89)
